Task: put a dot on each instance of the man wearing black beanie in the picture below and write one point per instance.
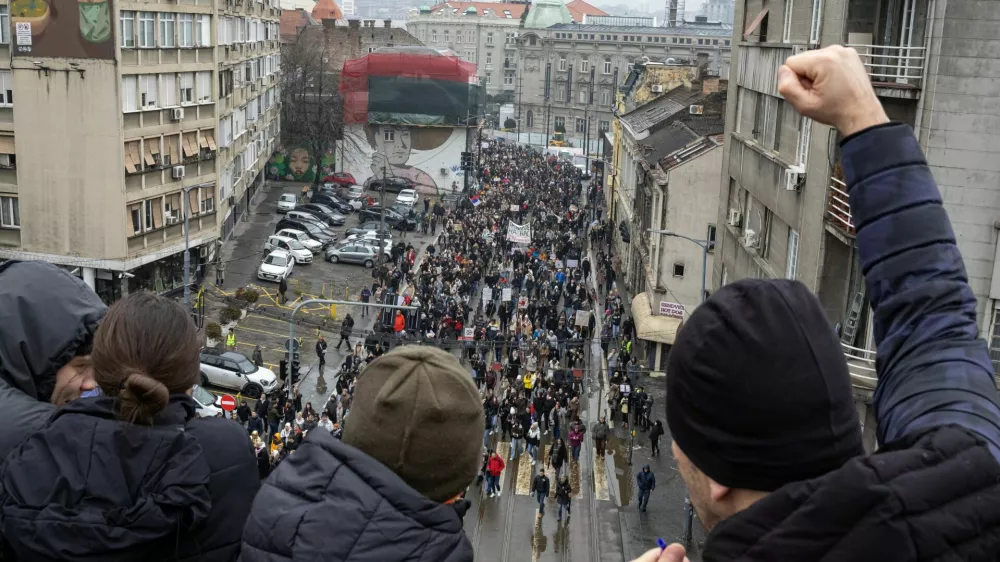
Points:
(759, 401)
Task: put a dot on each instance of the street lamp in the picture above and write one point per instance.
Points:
(705, 246)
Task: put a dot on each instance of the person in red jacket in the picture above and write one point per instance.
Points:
(399, 323)
(494, 467)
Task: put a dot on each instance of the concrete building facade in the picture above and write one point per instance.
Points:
(569, 72)
(783, 199)
(110, 144)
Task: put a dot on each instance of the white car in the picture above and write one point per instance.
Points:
(312, 245)
(206, 402)
(287, 202)
(290, 245)
(370, 237)
(408, 197)
(276, 266)
(232, 370)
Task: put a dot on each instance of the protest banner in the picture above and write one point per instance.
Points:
(514, 207)
(572, 264)
(519, 233)
(506, 295)
(582, 318)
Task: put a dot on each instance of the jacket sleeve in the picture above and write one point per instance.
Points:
(932, 367)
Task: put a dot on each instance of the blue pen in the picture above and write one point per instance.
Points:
(661, 543)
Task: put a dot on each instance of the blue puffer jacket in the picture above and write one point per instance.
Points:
(329, 501)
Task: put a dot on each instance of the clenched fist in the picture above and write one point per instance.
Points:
(831, 86)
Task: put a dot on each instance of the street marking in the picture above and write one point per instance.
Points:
(600, 478)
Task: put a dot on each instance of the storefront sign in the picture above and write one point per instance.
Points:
(672, 309)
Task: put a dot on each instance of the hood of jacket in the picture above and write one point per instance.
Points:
(46, 314)
(377, 516)
(938, 499)
(89, 487)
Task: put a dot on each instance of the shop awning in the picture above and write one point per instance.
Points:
(661, 329)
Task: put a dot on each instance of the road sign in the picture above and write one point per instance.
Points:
(294, 344)
(227, 402)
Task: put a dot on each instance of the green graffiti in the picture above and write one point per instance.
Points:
(297, 163)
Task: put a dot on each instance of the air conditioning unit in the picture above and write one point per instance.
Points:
(177, 172)
(177, 114)
(735, 218)
(657, 88)
(696, 109)
(799, 49)
(795, 176)
(172, 217)
(750, 239)
(232, 200)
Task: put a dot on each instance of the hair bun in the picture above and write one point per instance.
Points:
(142, 397)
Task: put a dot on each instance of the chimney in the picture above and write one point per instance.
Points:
(329, 24)
(369, 23)
(387, 23)
(354, 24)
(710, 86)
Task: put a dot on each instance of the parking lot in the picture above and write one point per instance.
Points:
(320, 279)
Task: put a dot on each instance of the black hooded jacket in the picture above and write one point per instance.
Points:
(329, 501)
(46, 315)
(88, 486)
(935, 499)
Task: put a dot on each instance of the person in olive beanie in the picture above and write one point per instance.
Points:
(758, 393)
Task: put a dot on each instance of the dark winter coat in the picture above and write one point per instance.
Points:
(243, 413)
(564, 492)
(331, 502)
(46, 315)
(89, 487)
(557, 456)
(601, 430)
(645, 480)
(257, 424)
(263, 463)
(540, 485)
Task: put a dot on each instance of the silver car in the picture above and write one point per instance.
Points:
(352, 253)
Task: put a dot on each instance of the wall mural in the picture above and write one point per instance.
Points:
(296, 163)
(429, 156)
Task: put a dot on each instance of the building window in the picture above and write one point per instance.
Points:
(560, 124)
(147, 91)
(389, 135)
(710, 238)
(678, 270)
(531, 40)
(187, 87)
(489, 59)
(607, 65)
(583, 96)
(581, 125)
(168, 89)
(489, 79)
(447, 36)
(792, 263)
(489, 37)
(130, 95)
(147, 30)
(207, 204)
(562, 63)
(814, 26)
(584, 65)
(560, 93)
(166, 30)
(10, 216)
(805, 128)
(127, 21)
(204, 80)
(6, 89)
(185, 24)
(604, 126)
(605, 96)
(202, 31)
(530, 118)
(434, 36)
(508, 80)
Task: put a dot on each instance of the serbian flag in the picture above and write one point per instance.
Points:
(475, 200)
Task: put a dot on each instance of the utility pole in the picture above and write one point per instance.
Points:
(381, 217)
(586, 138)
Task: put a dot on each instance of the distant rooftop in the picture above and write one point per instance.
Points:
(547, 13)
(498, 10)
(630, 21)
(688, 29)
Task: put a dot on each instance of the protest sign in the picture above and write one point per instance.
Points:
(468, 334)
(582, 318)
(522, 302)
(519, 233)
(559, 264)
(572, 264)
(514, 207)
(505, 295)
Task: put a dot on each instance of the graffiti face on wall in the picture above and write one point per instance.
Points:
(297, 164)
(415, 153)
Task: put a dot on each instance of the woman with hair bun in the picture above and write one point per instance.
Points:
(133, 474)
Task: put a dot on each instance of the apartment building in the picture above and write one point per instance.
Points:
(125, 122)
(783, 200)
(569, 72)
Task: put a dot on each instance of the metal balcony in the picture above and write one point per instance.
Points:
(893, 67)
(861, 366)
(838, 207)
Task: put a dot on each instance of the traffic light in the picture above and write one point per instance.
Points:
(467, 161)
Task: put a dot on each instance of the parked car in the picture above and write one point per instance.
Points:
(332, 201)
(370, 238)
(392, 217)
(316, 232)
(303, 238)
(407, 197)
(290, 245)
(229, 369)
(368, 226)
(352, 252)
(207, 403)
(324, 212)
(276, 266)
(391, 185)
(287, 202)
(356, 192)
(340, 178)
(317, 217)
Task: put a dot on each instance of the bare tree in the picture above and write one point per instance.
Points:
(312, 109)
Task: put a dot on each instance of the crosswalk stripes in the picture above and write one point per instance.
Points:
(601, 478)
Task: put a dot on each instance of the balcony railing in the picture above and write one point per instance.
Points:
(838, 207)
(893, 66)
(861, 365)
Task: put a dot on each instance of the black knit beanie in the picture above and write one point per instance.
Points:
(758, 393)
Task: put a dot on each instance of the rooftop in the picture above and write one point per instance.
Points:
(647, 116)
(327, 10)
(579, 8)
(667, 140)
(688, 29)
(497, 10)
(547, 13)
(291, 21)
